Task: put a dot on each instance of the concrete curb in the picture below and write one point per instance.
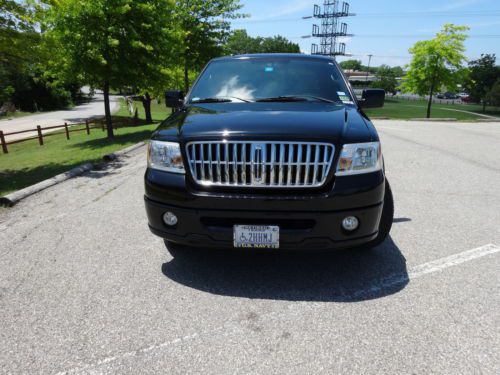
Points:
(116, 155)
(15, 197)
(434, 119)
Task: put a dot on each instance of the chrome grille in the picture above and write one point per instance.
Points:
(260, 164)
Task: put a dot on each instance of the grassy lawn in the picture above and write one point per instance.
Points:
(28, 163)
(158, 111)
(403, 109)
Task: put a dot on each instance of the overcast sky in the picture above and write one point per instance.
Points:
(384, 18)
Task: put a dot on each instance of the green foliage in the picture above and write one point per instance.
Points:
(483, 73)
(23, 80)
(398, 71)
(351, 65)
(493, 96)
(206, 27)
(113, 43)
(437, 62)
(240, 43)
(386, 79)
(118, 41)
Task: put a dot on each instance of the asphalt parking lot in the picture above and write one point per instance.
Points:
(85, 288)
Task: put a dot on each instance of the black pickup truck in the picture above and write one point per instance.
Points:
(269, 151)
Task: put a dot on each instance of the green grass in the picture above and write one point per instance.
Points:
(17, 114)
(28, 163)
(403, 109)
(159, 112)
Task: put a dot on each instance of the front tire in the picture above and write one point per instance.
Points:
(386, 219)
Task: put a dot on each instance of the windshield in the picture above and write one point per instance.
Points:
(271, 79)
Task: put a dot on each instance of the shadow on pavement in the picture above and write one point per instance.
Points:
(337, 276)
(401, 220)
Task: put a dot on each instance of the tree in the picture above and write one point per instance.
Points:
(351, 65)
(436, 63)
(112, 43)
(206, 28)
(386, 79)
(239, 42)
(483, 73)
(278, 44)
(18, 41)
(398, 71)
(493, 96)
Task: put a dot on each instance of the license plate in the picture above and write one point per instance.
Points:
(256, 236)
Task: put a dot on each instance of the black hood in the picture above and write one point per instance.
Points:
(306, 121)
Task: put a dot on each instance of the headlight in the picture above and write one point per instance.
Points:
(165, 156)
(358, 158)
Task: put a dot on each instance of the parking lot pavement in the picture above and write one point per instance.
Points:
(86, 289)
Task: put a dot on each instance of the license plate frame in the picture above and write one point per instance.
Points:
(256, 236)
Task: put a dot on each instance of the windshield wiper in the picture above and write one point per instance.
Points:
(295, 98)
(220, 99)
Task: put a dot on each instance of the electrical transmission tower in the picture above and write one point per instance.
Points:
(331, 28)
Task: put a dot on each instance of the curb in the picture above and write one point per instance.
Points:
(450, 119)
(15, 197)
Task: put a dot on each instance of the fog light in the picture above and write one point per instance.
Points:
(170, 219)
(350, 223)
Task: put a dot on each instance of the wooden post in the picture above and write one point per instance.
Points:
(103, 128)
(4, 144)
(67, 130)
(87, 127)
(40, 135)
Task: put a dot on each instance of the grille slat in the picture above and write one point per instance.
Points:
(299, 165)
(260, 164)
(291, 152)
(235, 164)
(219, 175)
(273, 165)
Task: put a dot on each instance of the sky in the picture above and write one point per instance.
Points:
(397, 25)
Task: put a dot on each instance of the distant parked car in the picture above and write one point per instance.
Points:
(448, 96)
(463, 95)
(467, 99)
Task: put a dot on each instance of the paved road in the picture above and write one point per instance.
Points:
(86, 289)
(75, 115)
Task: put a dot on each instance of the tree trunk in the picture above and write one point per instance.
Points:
(186, 77)
(186, 72)
(429, 104)
(107, 111)
(146, 102)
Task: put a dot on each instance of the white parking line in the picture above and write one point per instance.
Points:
(452, 260)
(413, 273)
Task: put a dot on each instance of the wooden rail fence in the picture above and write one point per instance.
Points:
(68, 129)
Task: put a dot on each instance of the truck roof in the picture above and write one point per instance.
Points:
(286, 55)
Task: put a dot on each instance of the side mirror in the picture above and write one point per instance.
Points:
(372, 98)
(174, 99)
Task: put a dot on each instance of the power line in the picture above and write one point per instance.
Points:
(463, 14)
(474, 36)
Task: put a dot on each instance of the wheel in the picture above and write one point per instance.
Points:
(386, 219)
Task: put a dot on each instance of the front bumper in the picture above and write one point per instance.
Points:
(206, 219)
